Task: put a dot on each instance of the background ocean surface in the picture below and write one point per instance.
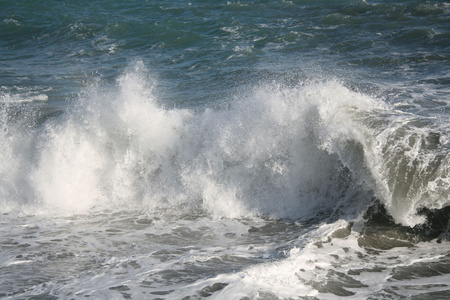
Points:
(224, 149)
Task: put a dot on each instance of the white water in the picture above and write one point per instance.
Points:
(120, 196)
(115, 255)
(276, 151)
(320, 268)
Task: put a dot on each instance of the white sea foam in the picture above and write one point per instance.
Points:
(328, 267)
(23, 95)
(281, 152)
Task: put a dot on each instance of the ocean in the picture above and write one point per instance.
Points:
(264, 149)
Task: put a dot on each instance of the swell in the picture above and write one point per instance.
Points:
(276, 151)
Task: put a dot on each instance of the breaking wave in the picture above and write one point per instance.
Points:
(275, 151)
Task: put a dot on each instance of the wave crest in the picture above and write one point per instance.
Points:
(277, 151)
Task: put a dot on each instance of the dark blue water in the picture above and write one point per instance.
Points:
(224, 149)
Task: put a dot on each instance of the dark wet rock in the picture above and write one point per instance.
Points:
(437, 224)
(381, 232)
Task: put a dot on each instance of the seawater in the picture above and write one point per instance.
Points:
(224, 150)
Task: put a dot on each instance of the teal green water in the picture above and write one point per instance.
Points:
(220, 45)
(224, 149)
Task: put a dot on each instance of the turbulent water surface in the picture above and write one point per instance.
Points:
(224, 149)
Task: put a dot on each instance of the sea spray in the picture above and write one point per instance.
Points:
(117, 146)
(109, 149)
(276, 151)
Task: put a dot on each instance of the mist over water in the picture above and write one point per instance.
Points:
(231, 150)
